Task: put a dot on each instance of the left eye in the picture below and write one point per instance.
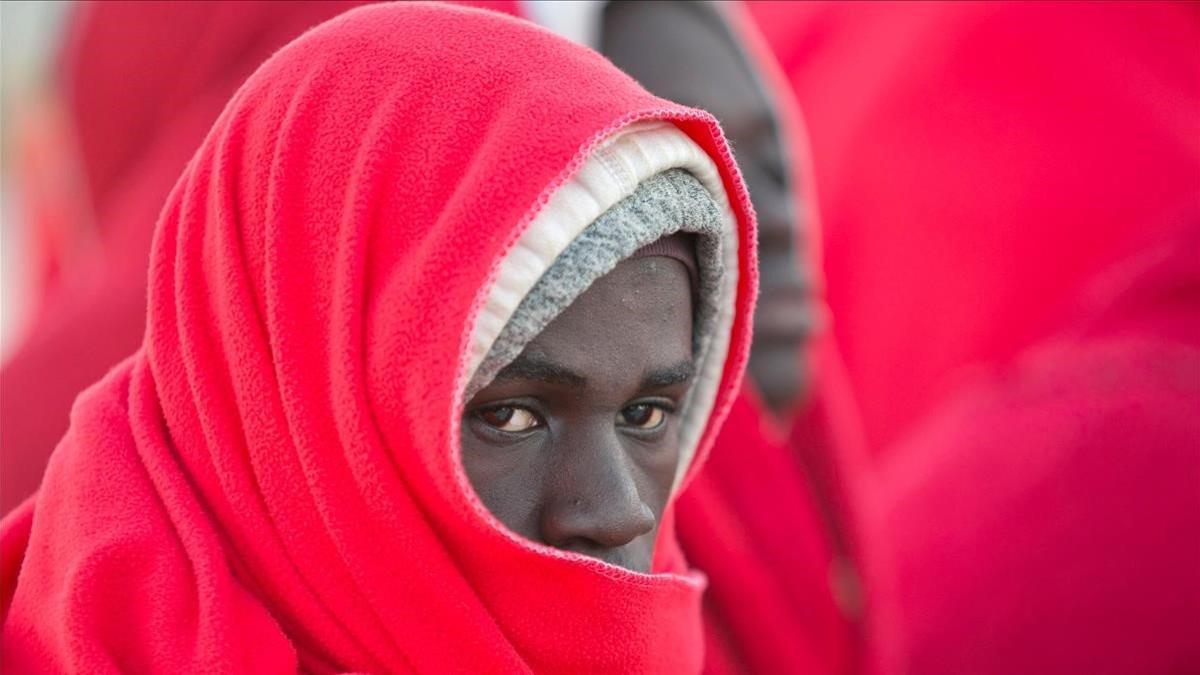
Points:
(510, 418)
(642, 416)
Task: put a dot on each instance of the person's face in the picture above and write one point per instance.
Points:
(575, 444)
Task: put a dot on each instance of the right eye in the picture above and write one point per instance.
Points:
(643, 416)
(510, 418)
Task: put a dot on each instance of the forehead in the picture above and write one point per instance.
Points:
(632, 320)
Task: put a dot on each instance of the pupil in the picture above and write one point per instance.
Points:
(637, 415)
(499, 416)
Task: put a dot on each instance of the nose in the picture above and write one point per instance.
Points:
(593, 504)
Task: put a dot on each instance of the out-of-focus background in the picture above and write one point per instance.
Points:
(31, 31)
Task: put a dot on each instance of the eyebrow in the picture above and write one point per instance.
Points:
(533, 368)
(665, 377)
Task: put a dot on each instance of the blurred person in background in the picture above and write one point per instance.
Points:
(1010, 195)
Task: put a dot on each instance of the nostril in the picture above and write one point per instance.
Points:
(583, 546)
(586, 528)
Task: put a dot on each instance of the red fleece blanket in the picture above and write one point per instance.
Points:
(272, 480)
(140, 85)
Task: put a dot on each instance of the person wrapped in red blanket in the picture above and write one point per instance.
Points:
(390, 225)
(1010, 195)
(704, 55)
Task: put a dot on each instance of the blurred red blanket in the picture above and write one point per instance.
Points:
(1009, 193)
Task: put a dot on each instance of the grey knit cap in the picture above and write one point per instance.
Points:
(663, 204)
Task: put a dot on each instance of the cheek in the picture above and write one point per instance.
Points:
(507, 480)
(656, 472)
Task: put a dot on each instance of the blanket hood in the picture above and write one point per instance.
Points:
(273, 480)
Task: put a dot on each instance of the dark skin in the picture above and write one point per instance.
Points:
(576, 443)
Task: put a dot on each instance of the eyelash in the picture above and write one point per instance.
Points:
(662, 407)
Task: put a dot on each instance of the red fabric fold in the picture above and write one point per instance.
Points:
(140, 84)
(751, 523)
(272, 481)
